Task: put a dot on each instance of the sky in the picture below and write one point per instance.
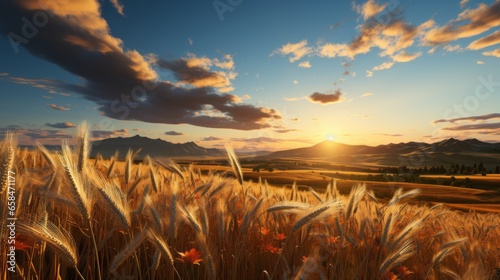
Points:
(260, 75)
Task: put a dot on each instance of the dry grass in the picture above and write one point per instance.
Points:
(135, 220)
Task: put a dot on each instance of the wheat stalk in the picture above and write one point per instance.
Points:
(289, 206)
(44, 230)
(406, 251)
(127, 251)
(315, 212)
(233, 160)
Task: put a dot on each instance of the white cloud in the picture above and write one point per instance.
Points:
(305, 64)
(295, 50)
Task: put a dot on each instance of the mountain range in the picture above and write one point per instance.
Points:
(416, 153)
(443, 152)
(152, 147)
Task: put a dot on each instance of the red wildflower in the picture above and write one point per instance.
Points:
(304, 258)
(280, 236)
(23, 242)
(389, 275)
(404, 272)
(192, 256)
(264, 231)
(268, 247)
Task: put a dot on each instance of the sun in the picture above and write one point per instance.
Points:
(330, 137)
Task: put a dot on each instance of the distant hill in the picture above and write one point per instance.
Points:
(416, 153)
(152, 147)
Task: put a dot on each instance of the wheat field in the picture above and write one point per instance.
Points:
(81, 218)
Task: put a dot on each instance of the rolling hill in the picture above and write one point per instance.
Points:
(411, 153)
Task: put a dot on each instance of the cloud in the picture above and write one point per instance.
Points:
(383, 66)
(453, 48)
(174, 133)
(295, 119)
(346, 73)
(196, 71)
(118, 6)
(284, 130)
(112, 77)
(294, 98)
(369, 9)
(390, 38)
(305, 64)
(405, 57)
(190, 41)
(369, 73)
(490, 40)
(463, 3)
(295, 82)
(257, 140)
(480, 62)
(470, 22)
(30, 136)
(52, 86)
(495, 53)
(295, 50)
(482, 126)
(60, 125)
(473, 118)
(136, 129)
(390, 135)
(326, 98)
(211, 138)
(59, 108)
(99, 134)
(366, 94)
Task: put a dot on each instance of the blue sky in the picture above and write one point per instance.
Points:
(258, 74)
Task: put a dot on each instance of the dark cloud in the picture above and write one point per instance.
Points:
(78, 39)
(346, 73)
(482, 126)
(108, 133)
(258, 140)
(29, 136)
(473, 118)
(59, 108)
(173, 133)
(326, 98)
(390, 135)
(197, 76)
(211, 138)
(60, 125)
(284, 130)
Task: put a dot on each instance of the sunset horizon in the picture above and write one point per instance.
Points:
(360, 72)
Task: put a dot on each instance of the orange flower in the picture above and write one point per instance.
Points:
(264, 231)
(192, 256)
(404, 272)
(280, 236)
(268, 247)
(304, 258)
(389, 275)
